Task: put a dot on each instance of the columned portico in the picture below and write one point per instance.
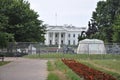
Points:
(53, 41)
(60, 35)
(56, 38)
(66, 40)
(59, 38)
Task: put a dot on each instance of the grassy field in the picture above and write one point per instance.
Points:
(3, 63)
(111, 67)
(110, 64)
(74, 56)
(59, 71)
(107, 63)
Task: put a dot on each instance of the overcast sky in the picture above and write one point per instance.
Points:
(60, 12)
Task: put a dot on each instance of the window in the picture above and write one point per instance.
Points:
(50, 42)
(62, 35)
(73, 42)
(61, 41)
(73, 35)
(56, 35)
(56, 43)
(68, 42)
(68, 35)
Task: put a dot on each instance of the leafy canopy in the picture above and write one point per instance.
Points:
(106, 15)
(18, 19)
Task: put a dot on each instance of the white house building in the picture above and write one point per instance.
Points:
(59, 35)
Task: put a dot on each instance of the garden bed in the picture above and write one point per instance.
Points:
(86, 72)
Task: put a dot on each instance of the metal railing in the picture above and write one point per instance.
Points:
(24, 48)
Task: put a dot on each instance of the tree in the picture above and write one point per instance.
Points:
(105, 16)
(5, 38)
(21, 21)
(116, 29)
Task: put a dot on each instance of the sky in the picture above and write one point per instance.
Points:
(62, 12)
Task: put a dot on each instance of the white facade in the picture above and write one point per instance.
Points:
(59, 35)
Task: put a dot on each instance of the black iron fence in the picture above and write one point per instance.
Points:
(24, 48)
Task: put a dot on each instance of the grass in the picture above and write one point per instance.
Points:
(68, 72)
(52, 76)
(58, 69)
(4, 62)
(74, 56)
(108, 63)
(50, 66)
(108, 66)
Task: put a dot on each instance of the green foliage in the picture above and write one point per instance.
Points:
(105, 16)
(5, 38)
(20, 20)
(52, 76)
(116, 29)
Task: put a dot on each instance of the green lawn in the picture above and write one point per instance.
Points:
(74, 56)
(110, 66)
(3, 63)
(59, 71)
(107, 63)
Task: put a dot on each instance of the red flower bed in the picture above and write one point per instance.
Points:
(87, 72)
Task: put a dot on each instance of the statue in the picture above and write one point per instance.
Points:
(92, 29)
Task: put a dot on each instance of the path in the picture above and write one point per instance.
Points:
(24, 69)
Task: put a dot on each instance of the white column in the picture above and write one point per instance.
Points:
(53, 40)
(66, 40)
(47, 38)
(59, 38)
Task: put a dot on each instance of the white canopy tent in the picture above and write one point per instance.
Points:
(91, 46)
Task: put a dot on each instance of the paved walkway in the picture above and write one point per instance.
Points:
(24, 69)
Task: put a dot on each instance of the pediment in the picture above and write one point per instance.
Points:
(57, 28)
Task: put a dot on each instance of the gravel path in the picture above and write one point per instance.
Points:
(24, 69)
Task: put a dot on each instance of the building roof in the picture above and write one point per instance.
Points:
(65, 28)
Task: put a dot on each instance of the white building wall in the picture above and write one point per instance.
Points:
(72, 38)
(68, 35)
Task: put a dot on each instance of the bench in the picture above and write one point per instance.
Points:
(2, 57)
